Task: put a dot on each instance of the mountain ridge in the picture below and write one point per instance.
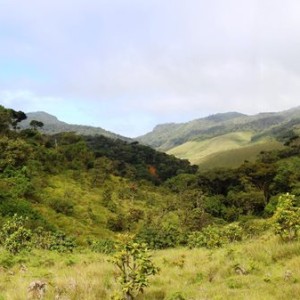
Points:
(167, 136)
(53, 125)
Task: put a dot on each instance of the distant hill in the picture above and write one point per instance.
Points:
(204, 141)
(52, 126)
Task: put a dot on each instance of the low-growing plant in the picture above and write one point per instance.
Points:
(287, 218)
(233, 232)
(55, 241)
(63, 206)
(105, 246)
(160, 238)
(135, 265)
(14, 236)
(209, 237)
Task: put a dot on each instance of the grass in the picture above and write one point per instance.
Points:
(271, 271)
(229, 150)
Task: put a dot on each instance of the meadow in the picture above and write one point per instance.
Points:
(229, 150)
(258, 268)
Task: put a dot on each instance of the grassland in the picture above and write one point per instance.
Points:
(229, 150)
(259, 269)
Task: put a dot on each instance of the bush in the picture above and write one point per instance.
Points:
(14, 236)
(287, 218)
(233, 232)
(160, 238)
(53, 241)
(254, 227)
(62, 206)
(103, 246)
(214, 237)
(210, 237)
(134, 263)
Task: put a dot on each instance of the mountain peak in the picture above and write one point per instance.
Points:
(221, 117)
(43, 117)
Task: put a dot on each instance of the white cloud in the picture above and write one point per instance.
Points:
(124, 59)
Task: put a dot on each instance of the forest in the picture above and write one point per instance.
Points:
(85, 198)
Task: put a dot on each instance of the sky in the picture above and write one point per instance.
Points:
(128, 65)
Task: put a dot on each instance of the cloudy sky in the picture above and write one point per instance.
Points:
(127, 65)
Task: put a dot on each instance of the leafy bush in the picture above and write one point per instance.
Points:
(117, 223)
(287, 218)
(14, 236)
(214, 237)
(233, 232)
(103, 246)
(134, 264)
(210, 237)
(160, 238)
(62, 206)
(53, 241)
(254, 227)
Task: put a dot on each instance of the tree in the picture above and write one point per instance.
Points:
(135, 265)
(36, 124)
(10, 118)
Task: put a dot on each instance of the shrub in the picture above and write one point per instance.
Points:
(210, 237)
(287, 218)
(53, 241)
(14, 236)
(160, 238)
(135, 266)
(214, 237)
(62, 206)
(233, 232)
(254, 227)
(103, 246)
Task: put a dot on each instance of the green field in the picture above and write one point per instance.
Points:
(229, 150)
(259, 269)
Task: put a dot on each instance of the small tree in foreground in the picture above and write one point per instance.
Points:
(287, 218)
(135, 266)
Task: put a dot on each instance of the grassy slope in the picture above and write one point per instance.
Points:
(89, 216)
(235, 157)
(272, 271)
(228, 150)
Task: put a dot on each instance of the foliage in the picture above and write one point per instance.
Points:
(210, 237)
(53, 241)
(160, 237)
(14, 236)
(105, 246)
(135, 266)
(214, 237)
(287, 218)
(233, 232)
(63, 206)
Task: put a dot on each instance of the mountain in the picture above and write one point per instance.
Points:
(202, 141)
(52, 126)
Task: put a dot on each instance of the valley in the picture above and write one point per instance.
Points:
(73, 204)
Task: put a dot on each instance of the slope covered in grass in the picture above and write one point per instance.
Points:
(229, 150)
(235, 157)
(259, 269)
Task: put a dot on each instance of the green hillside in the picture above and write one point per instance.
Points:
(229, 150)
(52, 126)
(277, 125)
(235, 157)
(70, 205)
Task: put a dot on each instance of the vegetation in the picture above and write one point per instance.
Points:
(213, 233)
(135, 266)
(281, 126)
